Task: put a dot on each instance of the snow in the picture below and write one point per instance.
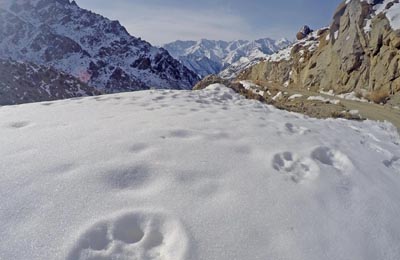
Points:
(294, 96)
(336, 35)
(311, 42)
(204, 174)
(392, 13)
(325, 100)
(226, 58)
(354, 112)
(278, 96)
(348, 96)
(249, 85)
(281, 55)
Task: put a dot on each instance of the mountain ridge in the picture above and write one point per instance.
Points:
(214, 56)
(98, 51)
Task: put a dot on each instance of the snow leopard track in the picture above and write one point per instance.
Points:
(134, 235)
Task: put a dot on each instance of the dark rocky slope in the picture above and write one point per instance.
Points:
(22, 82)
(98, 51)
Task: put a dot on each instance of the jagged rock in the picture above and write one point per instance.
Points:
(359, 51)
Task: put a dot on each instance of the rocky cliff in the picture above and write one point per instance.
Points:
(360, 52)
(98, 51)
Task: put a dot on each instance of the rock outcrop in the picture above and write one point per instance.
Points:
(359, 52)
(303, 33)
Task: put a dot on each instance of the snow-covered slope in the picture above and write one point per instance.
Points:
(390, 8)
(22, 82)
(202, 175)
(207, 57)
(98, 51)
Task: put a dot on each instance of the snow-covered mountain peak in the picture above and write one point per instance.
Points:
(89, 46)
(211, 56)
(283, 42)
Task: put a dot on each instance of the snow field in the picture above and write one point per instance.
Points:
(173, 175)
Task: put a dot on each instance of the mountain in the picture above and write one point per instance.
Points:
(22, 82)
(359, 52)
(211, 57)
(98, 51)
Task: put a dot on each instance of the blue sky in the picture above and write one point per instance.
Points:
(162, 21)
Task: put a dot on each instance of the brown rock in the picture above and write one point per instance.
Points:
(347, 58)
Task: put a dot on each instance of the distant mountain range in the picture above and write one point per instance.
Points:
(97, 51)
(100, 56)
(214, 57)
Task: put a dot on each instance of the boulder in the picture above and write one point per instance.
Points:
(303, 33)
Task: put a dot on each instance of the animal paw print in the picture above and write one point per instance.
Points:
(333, 158)
(294, 129)
(19, 124)
(297, 169)
(393, 163)
(133, 235)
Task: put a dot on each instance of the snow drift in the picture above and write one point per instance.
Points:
(194, 175)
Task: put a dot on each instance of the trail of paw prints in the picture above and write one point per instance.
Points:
(301, 169)
(133, 235)
(370, 141)
(297, 169)
(292, 129)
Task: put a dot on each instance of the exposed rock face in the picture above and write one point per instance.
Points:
(359, 51)
(25, 82)
(88, 46)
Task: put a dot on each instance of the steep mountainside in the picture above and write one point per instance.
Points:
(25, 82)
(211, 57)
(359, 52)
(98, 51)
